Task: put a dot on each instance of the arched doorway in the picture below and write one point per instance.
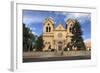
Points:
(60, 45)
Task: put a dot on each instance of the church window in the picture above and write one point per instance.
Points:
(48, 24)
(46, 29)
(49, 29)
(60, 35)
(48, 42)
(71, 25)
(70, 29)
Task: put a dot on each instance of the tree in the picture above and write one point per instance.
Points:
(28, 38)
(77, 40)
(69, 45)
(39, 43)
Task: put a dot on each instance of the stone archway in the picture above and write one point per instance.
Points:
(60, 46)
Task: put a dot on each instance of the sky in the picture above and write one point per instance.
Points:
(34, 20)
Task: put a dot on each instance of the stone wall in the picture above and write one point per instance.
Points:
(55, 54)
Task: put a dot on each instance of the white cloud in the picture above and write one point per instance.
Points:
(83, 36)
(87, 40)
(78, 15)
(32, 28)
(81, 17)
(31, 19)
(82, 29)
(34, 33)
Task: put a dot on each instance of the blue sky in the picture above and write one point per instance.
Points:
(34, 20)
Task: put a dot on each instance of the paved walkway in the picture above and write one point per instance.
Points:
(55, 58)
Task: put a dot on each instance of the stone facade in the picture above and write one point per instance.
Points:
(58, 37)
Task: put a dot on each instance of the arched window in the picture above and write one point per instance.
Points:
(49, 29)
(48, 24)
(48, 42)
(46, 29)
(70, 29)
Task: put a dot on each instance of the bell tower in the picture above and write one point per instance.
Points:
(48, 36)
(70, 23)
(48, 25)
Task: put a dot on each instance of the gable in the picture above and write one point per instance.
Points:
(59, 27)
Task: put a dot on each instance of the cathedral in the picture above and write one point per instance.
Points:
(58, 37)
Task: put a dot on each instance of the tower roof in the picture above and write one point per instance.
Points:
(70, 21)
(50, 19)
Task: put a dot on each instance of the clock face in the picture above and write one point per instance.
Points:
(59, 35)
